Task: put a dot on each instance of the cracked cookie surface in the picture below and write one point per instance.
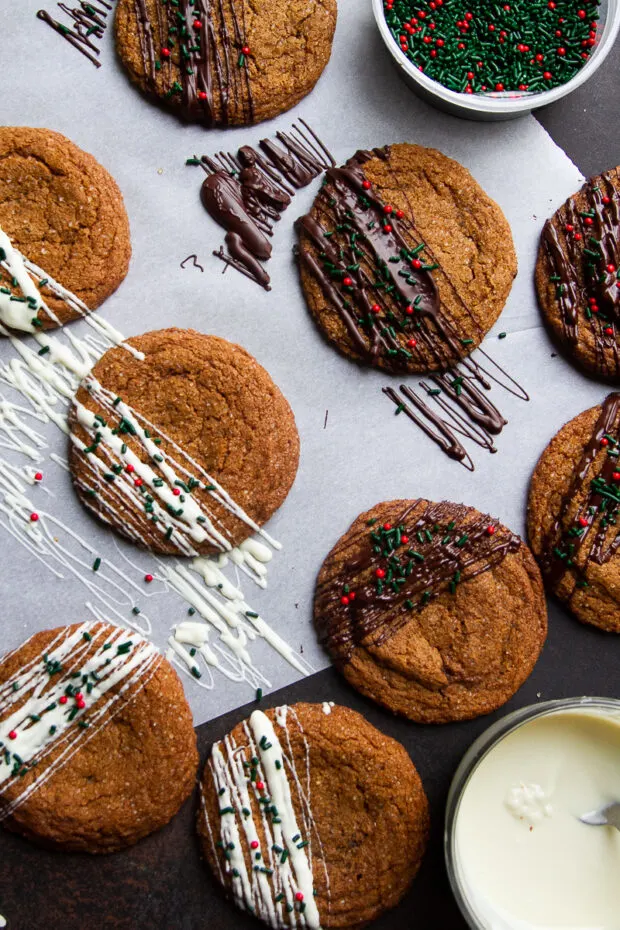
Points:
(64, 213)
(407, 307)
(190, 57)
(193, 406)
(435, 611)
(120, 758)
(572, 512)
(357, 802)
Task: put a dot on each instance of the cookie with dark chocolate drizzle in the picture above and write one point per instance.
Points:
(578, 275)
(405, 261)
(573, 510)
(435, 611)
(226, 63)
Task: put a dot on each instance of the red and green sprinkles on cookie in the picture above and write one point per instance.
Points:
(488, 47)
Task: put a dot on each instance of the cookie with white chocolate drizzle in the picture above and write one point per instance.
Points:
(405, 262)
(97, 747)
(63, 211)
(228, 63)
(295, 803)
(578, 275)
(185, 446)
(434, 610)
(573, 510)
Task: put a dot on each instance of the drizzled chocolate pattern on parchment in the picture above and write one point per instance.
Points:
(247, 193)
(589, 533)
(378, 274)
(89, 24)
(583, 251)
(394, 570)
(192, 53)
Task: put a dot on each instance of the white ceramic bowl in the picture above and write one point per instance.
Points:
(499, 105)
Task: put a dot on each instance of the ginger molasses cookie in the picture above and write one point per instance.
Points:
(97, 743)
(182, 442)
(312, 817)
(64, 233)
(572, 514)
(225, 64)
(435, 611)
(578, 275)
(406, 263)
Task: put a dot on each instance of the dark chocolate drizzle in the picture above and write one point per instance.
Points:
(579, 268)
(89, 24)
(568, 546)
(382, 268)
(446, 547)
(465, 409)
(247, 193)
(205, 73)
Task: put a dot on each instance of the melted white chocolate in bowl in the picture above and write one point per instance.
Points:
(523, 859)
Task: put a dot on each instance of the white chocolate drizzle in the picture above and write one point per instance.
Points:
(266, 850)
(46, 377)
(69, 697)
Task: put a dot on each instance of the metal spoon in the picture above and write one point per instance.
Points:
(608, 816)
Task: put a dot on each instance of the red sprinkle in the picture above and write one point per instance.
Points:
(254, 844)
(246, 50)
(148, 578)
(604, 442)
(347, 281)
(412, 343)
(299, 896)
(129, 468)
(197, 24)
(606, 200)
(176, 491)
(387, 526)
(34, 517)
(351, 595)
(588, 221)
(380, 573)
(202, 95)
(616, 476)
(165, 53)
(611, 268)
(12, 735)
(38, 476)
(138, 482)
(609, 331)
(490, 530)
(399, 214)
(366, 185)
(583, 521)
(376, 308)
(344, 600)
(404, 540)
(388, 208)
(260, 785)
(416, 263)
(409, 310)
(387, 228)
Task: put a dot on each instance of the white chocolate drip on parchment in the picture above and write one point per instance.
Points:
(225, 626)
(70, 697)
(270, 868)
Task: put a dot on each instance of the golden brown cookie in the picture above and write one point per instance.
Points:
(435, 611)
(225, 64)
(97, 743)
(66, 215)
(405, 262)
(572, 513)
(310, 813)
(182, 442)
(578, 275)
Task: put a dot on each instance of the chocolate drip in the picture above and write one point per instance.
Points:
(567, 538)
(580, 267)
(90, 21)
(444, 548)
(468, 411)
(212, 76)
(247, 193)
(379, 254)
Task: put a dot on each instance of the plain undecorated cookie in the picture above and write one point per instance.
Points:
(98, 746)
(384, 300)
(289, 46)
(64, 213)
(573, 536)
(435, 611)
(191, 411)
(577, 275)
(310, 798)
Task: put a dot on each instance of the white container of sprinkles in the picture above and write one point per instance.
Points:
(517, 855)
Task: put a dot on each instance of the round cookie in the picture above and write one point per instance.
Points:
(66, 215)
(98, 746)
(182, 442)
(435, 611)
(310, 813)
(229, 64)
(572, 512)
(577, 275)
(405, 262)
